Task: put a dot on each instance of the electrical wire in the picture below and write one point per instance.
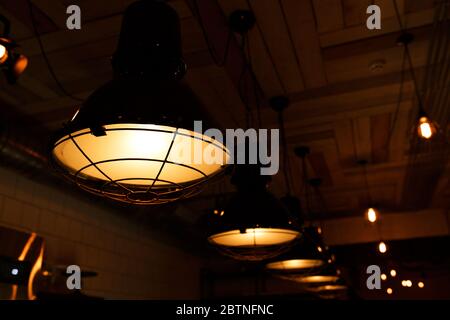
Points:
(44, 55)
(399, 100)
(267, 49)
(286, 164)
(212, 52)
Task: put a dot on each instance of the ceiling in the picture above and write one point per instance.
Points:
(342, 79)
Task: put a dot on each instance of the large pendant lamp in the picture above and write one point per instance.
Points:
(254, 225)
(133, 139)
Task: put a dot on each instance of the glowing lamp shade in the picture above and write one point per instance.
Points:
(136, 162)
(295, 264)
(318, 279)
(254, 237)
(303, 257)
(138, 155)
(255, 225)
(426, 129)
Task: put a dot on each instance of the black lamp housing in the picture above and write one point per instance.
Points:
(145, 91)
(12, 63)
(253, 207)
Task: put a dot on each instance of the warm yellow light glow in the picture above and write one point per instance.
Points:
(319, 249)
(328, 287)
(34, 271)
(382, 247)
(254, 237)
(21, 257)
(134, 145)
(3, 54)
(294, 264)
(371, 215)
(421, 284)
(389, 290)
(317, 279)
(383, 277)
(425, 128)
(404, 283)
(45, 273)
(393, 273)
(409, 283)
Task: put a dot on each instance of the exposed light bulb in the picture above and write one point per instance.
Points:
(426, 128)
(382, 247)
(3, 53)
(383, 277)
(421, 284)
(404, 283)
(389, 290)
(409, 283)
(393, 273)
(371, 215)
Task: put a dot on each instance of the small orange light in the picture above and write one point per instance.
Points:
(389, 290)
(421, 284)
(319, 249)
(383, 277)
(393, 273)
(20, 65)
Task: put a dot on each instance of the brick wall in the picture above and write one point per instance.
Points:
(130, 263)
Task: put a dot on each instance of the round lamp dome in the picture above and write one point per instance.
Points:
(255, 225)
(133, 139)
(304, 257)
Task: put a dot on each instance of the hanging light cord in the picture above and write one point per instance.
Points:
(286, 165)
(44, 55)
(366, 182)
(212, 52)
(409, 59)
(399, 99)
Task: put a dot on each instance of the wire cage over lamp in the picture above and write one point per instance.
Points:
(255, 225)
(133, 139)
(308, 256)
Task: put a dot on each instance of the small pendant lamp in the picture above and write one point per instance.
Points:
(255, 225)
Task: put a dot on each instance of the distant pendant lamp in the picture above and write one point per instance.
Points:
(124, 142)
(425, 127)
(371, 214)
(309, 254)
(327, 275)
(306, 257)
(254, 225)
(13, 64)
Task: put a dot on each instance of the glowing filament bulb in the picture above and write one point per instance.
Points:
(426, 129)
(382, 247)
(421, 284)
(393, 273)
(371, 215)
(383, 277)
(389, 291)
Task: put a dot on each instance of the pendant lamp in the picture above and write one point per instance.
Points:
(13, 64)
(327, 275)
(255, 225)
(308, 256)
(133, 139)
